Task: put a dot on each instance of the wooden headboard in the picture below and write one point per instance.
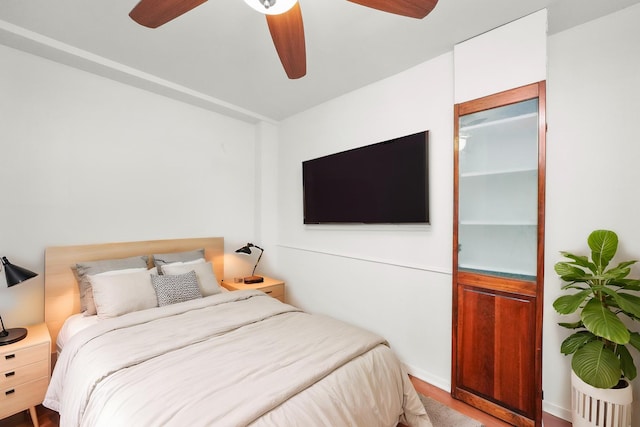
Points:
(61, 293)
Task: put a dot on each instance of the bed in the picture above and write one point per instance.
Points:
(204, 355)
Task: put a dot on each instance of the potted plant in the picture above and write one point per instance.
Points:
(601, 343)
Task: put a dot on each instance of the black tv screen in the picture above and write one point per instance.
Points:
(383, 183)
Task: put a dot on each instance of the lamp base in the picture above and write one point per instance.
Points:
(13, 335)
(253, 279)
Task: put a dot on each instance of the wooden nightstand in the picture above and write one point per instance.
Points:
(24, 372)
(273, 287)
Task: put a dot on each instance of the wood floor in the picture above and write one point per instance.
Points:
(445, 398)
(48, 418)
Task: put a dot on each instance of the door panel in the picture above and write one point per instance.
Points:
(499, 191)
(499, 330)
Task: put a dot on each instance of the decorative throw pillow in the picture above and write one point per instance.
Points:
(83, 269)
(161, 259)
(207, 281)
(171, 289)
(118, 294)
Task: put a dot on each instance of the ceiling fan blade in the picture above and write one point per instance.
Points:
(411, 8)
(153, 13)
(287, 33)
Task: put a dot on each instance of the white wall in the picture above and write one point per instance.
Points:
(398, 282)
(266, 211)
(593, 148)
(393, 280)
(504, 58)
(84, 159)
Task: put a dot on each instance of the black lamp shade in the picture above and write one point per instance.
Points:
(15, 274)
(245, 249)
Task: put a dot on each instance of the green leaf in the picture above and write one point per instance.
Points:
(628, 284)
(580, 260)
(603, 322)
(596, 365)
(565, 269)
(616, 273)
(573, 342)
(572, 325)
(574, 278)
(574, 286)
(635, 340)
(603, 245)
(608, 293)
(567, 304)
(629, 303)
(626, 362)
(621, 270)
(625, 264)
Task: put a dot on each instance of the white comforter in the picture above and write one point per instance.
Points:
(232, 359)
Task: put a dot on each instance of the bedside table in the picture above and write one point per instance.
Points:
(24, 372)
(273, 287)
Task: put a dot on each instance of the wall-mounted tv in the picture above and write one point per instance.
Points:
(383, 183)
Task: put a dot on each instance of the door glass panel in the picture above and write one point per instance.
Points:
(498, 191)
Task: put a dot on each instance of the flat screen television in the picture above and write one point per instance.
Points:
(383, 183)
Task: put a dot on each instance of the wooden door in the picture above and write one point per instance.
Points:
(498, 254)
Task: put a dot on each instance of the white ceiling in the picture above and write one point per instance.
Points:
(220, 55)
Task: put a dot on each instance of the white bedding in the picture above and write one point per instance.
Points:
(231, 359)
(79, 321)
(72, 326)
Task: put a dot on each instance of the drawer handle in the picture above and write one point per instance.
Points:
(10, 356)
(268, 292)
(8, 392)
(9, 374)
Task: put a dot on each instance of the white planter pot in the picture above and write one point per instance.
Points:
(598, 407)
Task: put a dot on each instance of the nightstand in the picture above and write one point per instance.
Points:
(273, 287)
(24, 372)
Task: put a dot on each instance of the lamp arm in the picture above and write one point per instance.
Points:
(256, 266)
(3, 332)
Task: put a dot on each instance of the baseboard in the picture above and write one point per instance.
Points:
(556, 411)
(444, 384)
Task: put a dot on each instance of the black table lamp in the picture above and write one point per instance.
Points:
(14, 275)
(247, 250)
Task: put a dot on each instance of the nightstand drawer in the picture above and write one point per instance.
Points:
(10, 360)
(23, 374)
(21, 397)
(275, 291)
(272, 287)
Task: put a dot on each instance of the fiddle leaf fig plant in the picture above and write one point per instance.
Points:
(601, 342)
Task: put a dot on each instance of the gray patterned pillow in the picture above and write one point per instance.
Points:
(171, 289)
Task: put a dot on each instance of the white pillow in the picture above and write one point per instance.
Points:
(83, 269)
(117, 272)
(204, 272)
(195, 261)
(178, 263)
(120, 293)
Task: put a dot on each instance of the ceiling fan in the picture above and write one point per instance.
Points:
(284, 19)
